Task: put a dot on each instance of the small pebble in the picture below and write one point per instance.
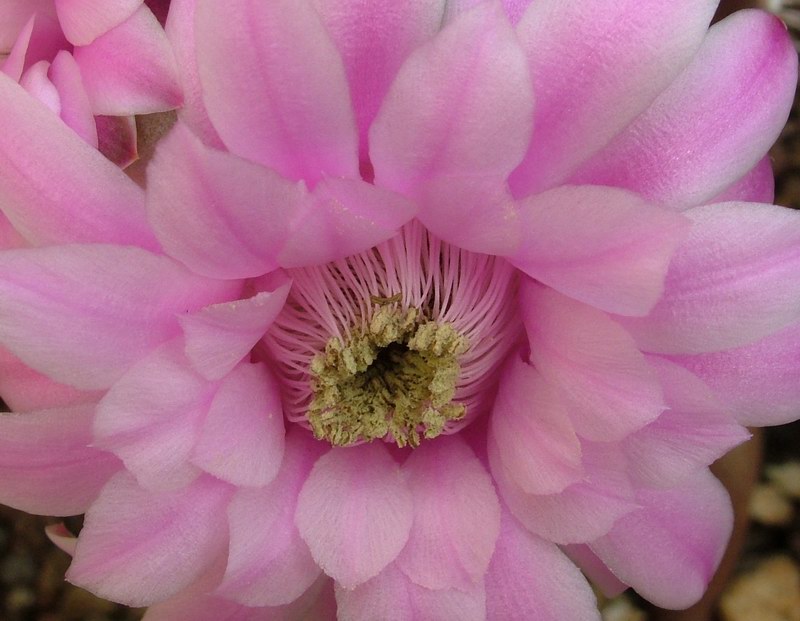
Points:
(769, 593)
(786, 478)
(769, 507)
(621, 609)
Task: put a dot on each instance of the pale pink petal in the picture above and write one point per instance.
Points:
(374, 38)
(343, 217)
(131, 69)
(530, 579)
(61, 537)
(55, 188)
(76, 110)
(25, 390)
(583, 511)
(714, 123)
(85, 20)
(594, 569)
(456, 516)
(316, 604)
(617, 56)
(735, 280)
(391, 596)
(16, 14)
(241, 440)
(132, 538)
(355, 512)
(151, 418)
(220, 215)
(530, 425)
(116, 137)
(269, 564)
(694, 432)
(47, 463)
(758, 383)
(670, 548)
(180, 32)
(275, 87)
(602, 246)
(459, 112)
(219, 336)
(14, 64)
(83, 314)
(38, 85)
(594, 364)
(757, 186)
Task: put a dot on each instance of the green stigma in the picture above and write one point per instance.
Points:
(397, 376)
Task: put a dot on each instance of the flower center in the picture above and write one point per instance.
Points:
(401, 342)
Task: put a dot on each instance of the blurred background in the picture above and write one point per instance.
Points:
(764, 586)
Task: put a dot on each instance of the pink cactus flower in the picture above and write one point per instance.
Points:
(426, 305)
(95, 63)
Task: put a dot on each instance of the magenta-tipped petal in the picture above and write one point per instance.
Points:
(133, 537)
(736, 279)
(618, 57)
(457, 120)
(530, 579)
(271, 565)
(131, 69)
(714, 123)
(85, 20)
(599, 245)
(391, 596)
(355, 512)
(275, 87)
(670, 548)
(47, 463)
(76, 109)
(756, 186)
(456, 516)
(241, 440)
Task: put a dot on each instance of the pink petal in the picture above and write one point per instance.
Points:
(269, 564)
(133, 538)
(758, 383)
(694, 432)
(355, 512)
(715, 122)
(83, 314)
(735, 280)
(391, 596)
(38, 39)
(220, 215)
(76, 110)
(538, 446)
(595, 67)
(47, 464)
(17, 13)
(343, 217)
(594, 569)
(684, 531)
(374, 38)
(316, 604)
(756, 186)
(61, 537)
(275, 87)
(594, 364)
(85, 20)
(530, 579)
(39, 86)
(131, 69)
(456, 516)
(55, 188)
(151, 418)
(242, 438)
(599, 245)
(219, 336)
(25, 390)
(583, 511)
(180, 32)
(458, 115)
